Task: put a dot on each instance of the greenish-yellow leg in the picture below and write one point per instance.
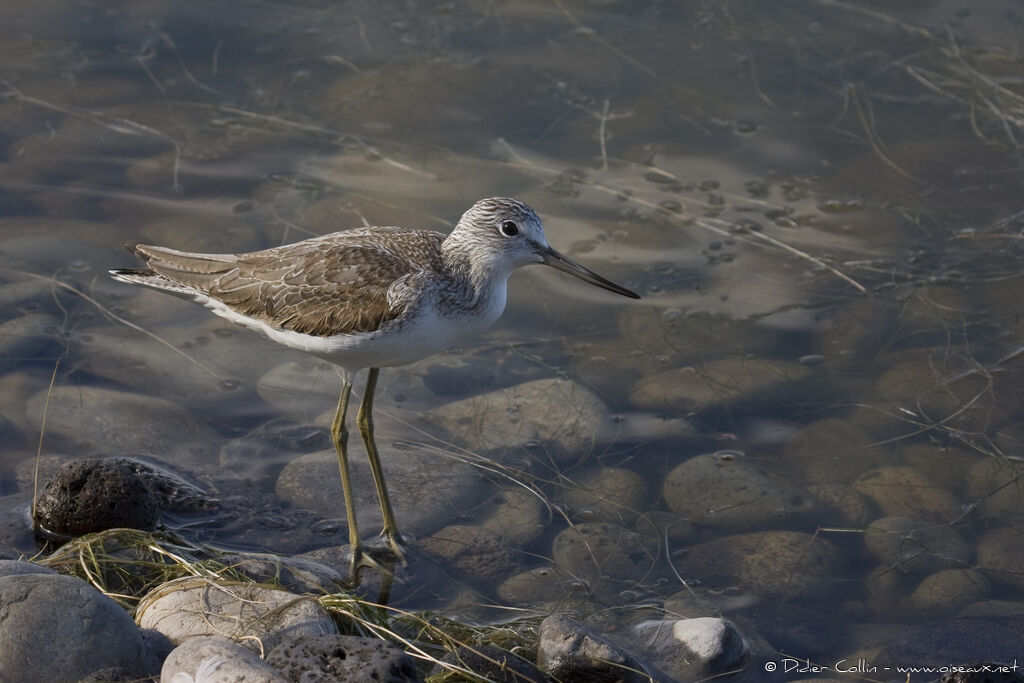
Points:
(339, 433)
(365, 422)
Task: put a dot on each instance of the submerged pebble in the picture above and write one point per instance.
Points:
(602, 554)
(725, 490)
(610, 494)
(915, 546)
(781, 565)
(903, 491)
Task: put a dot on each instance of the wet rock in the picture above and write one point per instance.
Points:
(887, 591)
(608, 494)
(83, 419)
(493, 664)
(18, 567)
(272, 445)
(570, 652)
(781, 565)
(257, 616)
(216, 660)
(601, 553)
(94, 494)
(904, 492)
(691, 649)
(17, 532)
(948, 466)
(997, 484)
(843, 505)
(517, 515)
(724, 490)
(949, 591)
(1001, 554)
(424, 496)
(717, 383)
(542, 586)
(349, 658)
(194, 365)
(85, 496)
(830, 451)
(915, 546)
(41, 612)
(472, 553)
(33, 335)
(560, 416)
(302, 388)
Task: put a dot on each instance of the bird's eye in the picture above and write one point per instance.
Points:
(509, 229)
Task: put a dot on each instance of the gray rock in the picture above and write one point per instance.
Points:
(994, 481)
(542, 586)
(296, 574)
(570, 652)
(602, 554)
(84, 419)
(948, 591)
(842, 505)
(723, 490)
(41, 612)
(213, 659)
(476, 555)
(19, 567)
(560, 416)
(492, 663)
(33, 335)
(516, 514)
(302, 388)
(717, 383)
(905, 492)
(401, 581)
(343, 658)
(781, 565)
(832, 450)
(260, 617)
(915, 546)
(691, 649)
(1000, 554)
(422, 498)
(607, 494)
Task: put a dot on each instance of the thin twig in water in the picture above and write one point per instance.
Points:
(42, 431)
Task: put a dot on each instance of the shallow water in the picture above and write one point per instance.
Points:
(818, 202)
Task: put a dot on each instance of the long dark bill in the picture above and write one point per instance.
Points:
(567, 265)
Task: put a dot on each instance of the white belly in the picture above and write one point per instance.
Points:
(425, 333)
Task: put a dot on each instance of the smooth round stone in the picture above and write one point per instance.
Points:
(193, 365)
(723, 490)
(25, 294)
(517, 515)
(779, 565)
(15, 390)
(904, 492)
(59, 628)
(887, 591)
(954, 396)
(855, 331)
(843, 505)
(18, 567)
(541, 586)
(691, 649)
(342, 658)
(949, 591)
(217, 660)
(717, 383)
(252, 614)
(90, 419)
(994, 483)
(302, 388)
(596, 551)
(33, 335)
(424, 493)
(915, 546)
(831, 450)
(948, 466)
(472, 553)
(608, 494)
(271, 445)
(1001, 555)
(559, 415)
